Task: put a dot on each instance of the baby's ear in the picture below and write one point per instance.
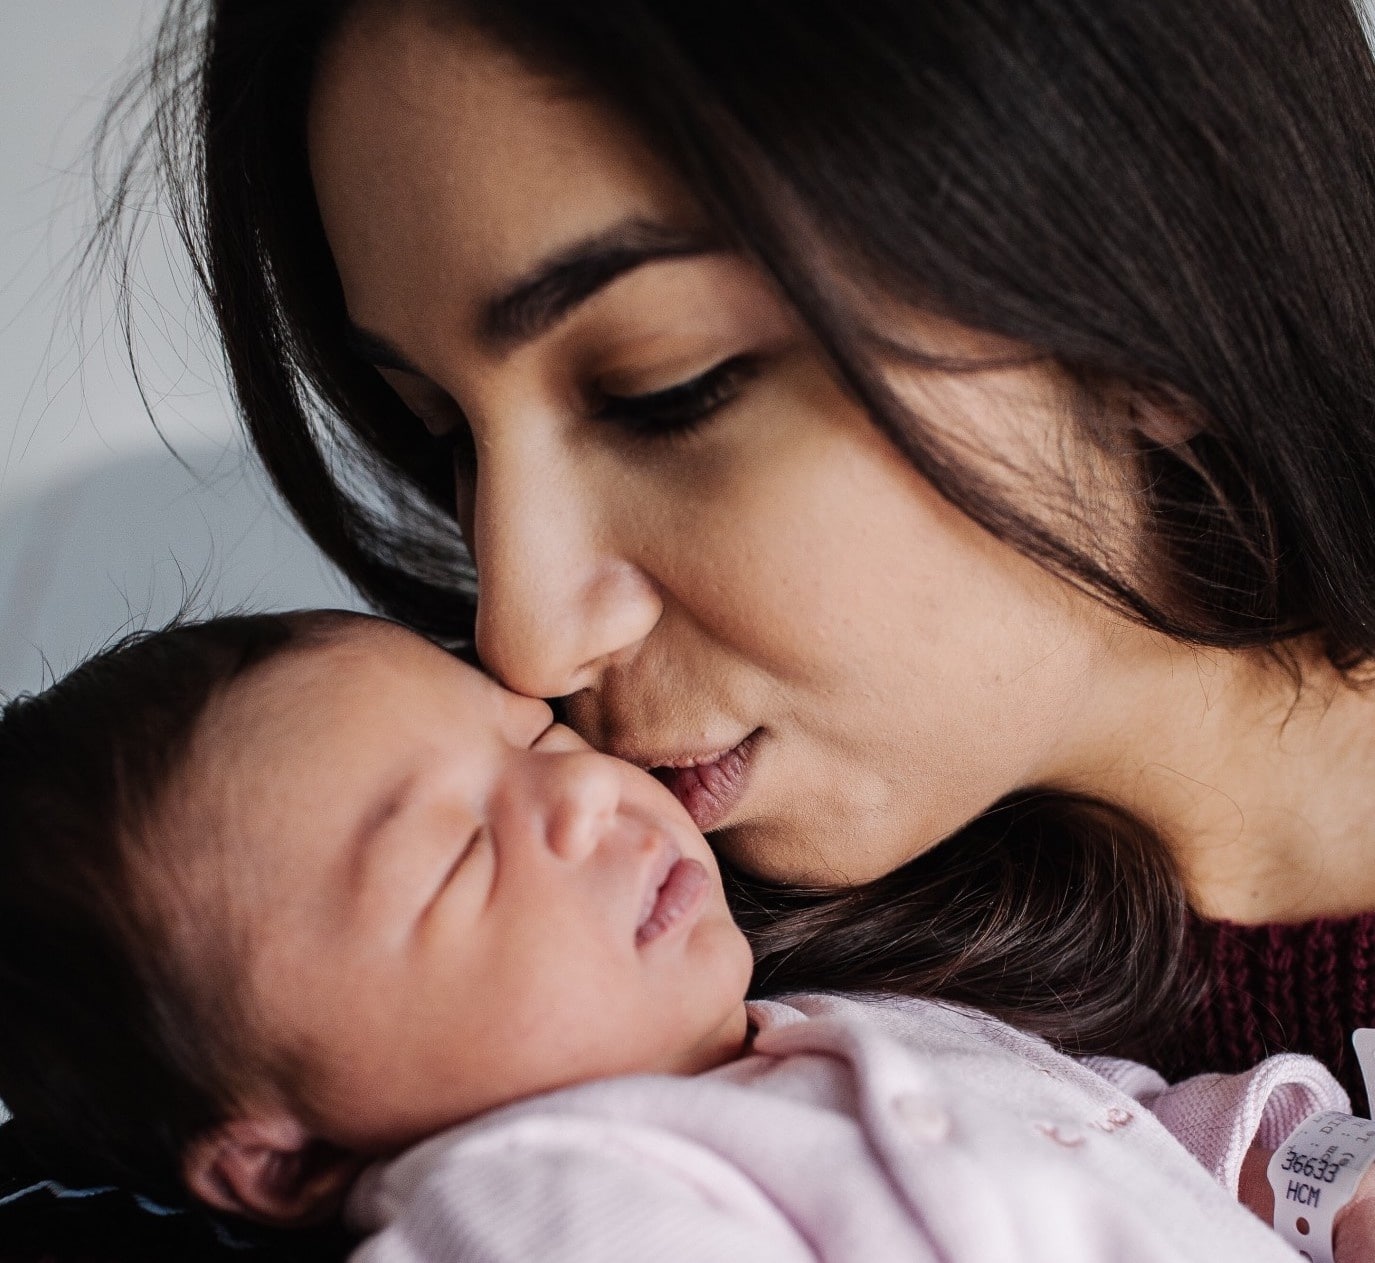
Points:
(269, 1168)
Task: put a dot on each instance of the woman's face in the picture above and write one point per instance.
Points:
(680, 522)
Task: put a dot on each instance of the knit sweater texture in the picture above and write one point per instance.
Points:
(1277, 988)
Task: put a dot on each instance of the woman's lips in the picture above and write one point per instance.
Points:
(681, 892)
(710, 789)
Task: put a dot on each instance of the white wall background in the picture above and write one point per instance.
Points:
(100, 526)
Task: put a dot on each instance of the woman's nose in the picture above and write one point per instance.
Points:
(558, 596)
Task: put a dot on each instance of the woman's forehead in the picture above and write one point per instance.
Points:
(445, 169)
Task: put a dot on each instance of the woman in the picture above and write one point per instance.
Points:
(940, 439)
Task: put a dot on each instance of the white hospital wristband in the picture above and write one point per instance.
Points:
(1314, 1173)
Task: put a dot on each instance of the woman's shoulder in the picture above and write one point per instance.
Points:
(1279, 987)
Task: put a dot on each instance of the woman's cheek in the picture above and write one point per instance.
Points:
(770, 506)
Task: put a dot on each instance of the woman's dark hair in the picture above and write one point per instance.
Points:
(1057, 914)
(114, 1057)
(1170, 201)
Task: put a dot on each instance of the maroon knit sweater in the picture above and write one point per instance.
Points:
(1278, 988)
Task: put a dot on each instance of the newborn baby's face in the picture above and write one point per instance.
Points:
(450, 902)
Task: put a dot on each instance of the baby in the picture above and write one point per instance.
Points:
(299, 912)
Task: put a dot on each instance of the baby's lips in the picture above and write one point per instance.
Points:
(682, 891)
(661, 864)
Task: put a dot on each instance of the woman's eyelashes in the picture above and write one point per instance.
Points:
(673, 411)
(678, 409)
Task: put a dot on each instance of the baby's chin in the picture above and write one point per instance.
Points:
(725, 1043)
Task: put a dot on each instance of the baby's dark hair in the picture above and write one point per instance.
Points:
(119, 1049)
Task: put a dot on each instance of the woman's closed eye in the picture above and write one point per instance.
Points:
(677, 409)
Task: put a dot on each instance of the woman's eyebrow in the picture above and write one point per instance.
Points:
(533, 303)
(553, 287)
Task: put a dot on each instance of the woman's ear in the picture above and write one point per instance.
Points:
(269, 1168)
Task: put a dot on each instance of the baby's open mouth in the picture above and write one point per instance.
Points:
(678, 889)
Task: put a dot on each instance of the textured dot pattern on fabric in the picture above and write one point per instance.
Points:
(923, 1117)
(856, 1131)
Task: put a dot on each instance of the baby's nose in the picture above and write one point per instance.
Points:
(584, 803)
(567, 795)
(560, 739)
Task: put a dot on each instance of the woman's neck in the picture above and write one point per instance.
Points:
(1263, 789)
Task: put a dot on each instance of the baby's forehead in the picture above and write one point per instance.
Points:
(321, 726)
(326, 658)
(360, 677)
